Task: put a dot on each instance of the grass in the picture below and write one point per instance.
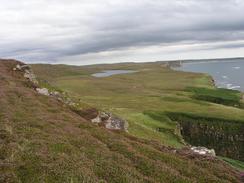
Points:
(235, 163)
(154, 88)
(43, 145)
(218, 95)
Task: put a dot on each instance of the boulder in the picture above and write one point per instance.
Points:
(18, 67)
(110, 121)
(203, 151)
(96, 120)
(115, 123)
(22, 67)
(43, 91)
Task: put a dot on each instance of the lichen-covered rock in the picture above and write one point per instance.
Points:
(203, 151)
(110, 121)
(43, 91)
(28, 74)
(115, 123)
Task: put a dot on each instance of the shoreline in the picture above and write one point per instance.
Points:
(225, 83)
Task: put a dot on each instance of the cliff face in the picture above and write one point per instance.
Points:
(225, 137)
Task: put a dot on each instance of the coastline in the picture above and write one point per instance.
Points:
(225, 74)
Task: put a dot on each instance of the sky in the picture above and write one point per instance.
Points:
(81, 32)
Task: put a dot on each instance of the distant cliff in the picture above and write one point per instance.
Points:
(225, 137)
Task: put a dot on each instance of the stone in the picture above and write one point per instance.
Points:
(104, 116)
(43, 91)
(22, 67)
(55, 93)
(203, 151)
(28, 74)
(25, 67)
(18, 67)
(96, 120)
(115, 123)
(110, 121)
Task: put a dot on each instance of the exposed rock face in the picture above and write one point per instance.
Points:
(43, 91)
(110, 121)
(115, 123)
(28, 74)
(203, 151)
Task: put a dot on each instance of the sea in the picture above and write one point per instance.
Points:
(227, 73)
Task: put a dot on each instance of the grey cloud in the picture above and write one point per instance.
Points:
(49, 30)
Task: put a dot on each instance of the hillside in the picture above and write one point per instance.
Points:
(158, 103)
(42, 140)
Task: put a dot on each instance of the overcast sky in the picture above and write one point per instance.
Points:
(104, 31)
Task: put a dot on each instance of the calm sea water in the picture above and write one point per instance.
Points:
(227, 74)
(107, 73)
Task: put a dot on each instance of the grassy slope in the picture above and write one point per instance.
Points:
(235, 163)
(218, 96)
(43, 141)
(155, 87)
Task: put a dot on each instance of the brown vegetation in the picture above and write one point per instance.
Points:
(44, 141)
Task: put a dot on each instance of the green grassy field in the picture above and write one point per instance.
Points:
(235, 163)
(154, 88)
(218, 96)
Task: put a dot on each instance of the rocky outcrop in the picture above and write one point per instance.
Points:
(116, 123)
(203, 151)
(110, 121)
(27, 71)
(43, 91)
(105, 119)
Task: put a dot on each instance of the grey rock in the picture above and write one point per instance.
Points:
(115, 123)
(18, 67)
(111, 122)
(203, 151)
(43, 91)
(28, 74)
(96, 120)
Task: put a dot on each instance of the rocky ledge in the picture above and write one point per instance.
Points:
(27, 72)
